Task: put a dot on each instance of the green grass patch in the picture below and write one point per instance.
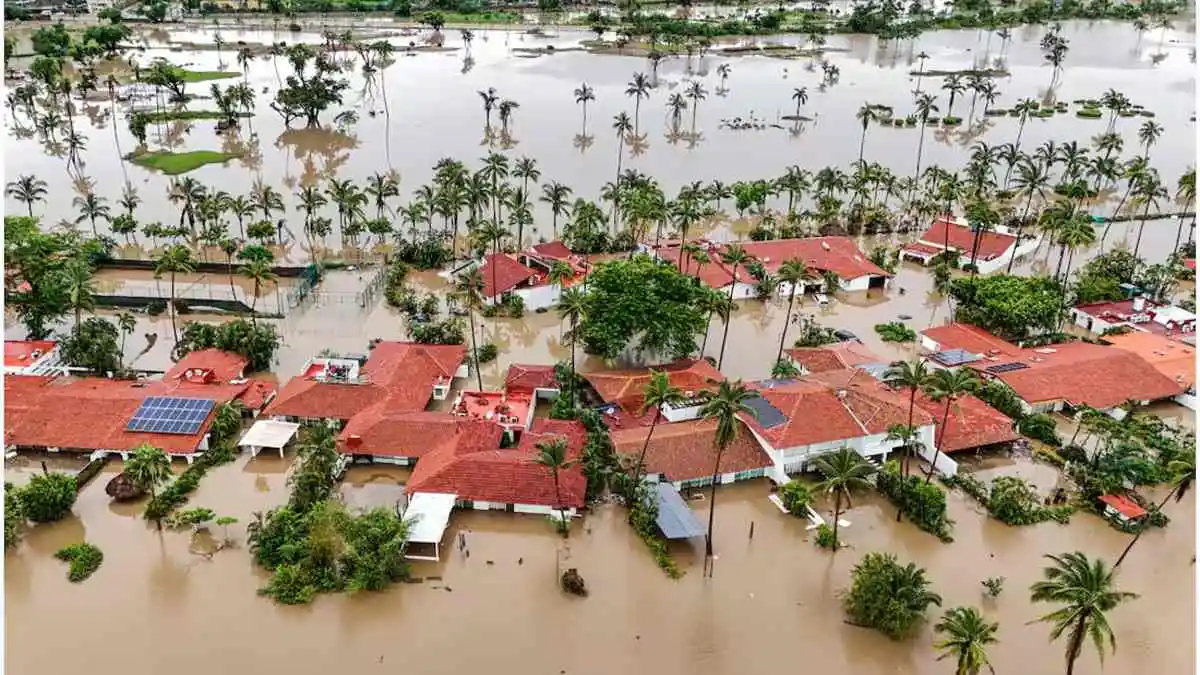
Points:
(176, 115)
(190, 76)
(175, 163)
(84, 558)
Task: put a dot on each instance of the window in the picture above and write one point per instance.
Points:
(747, 475)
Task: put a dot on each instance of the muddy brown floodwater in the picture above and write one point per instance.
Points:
(166, 603)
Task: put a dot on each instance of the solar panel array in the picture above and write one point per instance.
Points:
(170, 415)
(955, 357)
(768, 415)
(1006, 367)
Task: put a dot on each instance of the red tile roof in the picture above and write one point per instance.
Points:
(832, 406)
(380, 432)
(502, 273)
(991, 244)
(525, 378)
(259, 392)
(1174, 359)
(839, 255)
(684, 450)
(224, 365)
(400, 373)
(19, 353)
(832, 357)
(626, 387)
(714, 273)
(972, 423)
(968, 337)
(923, 249)
(1080, 373)
(472, 466)
(555, 250)
(1124, 505)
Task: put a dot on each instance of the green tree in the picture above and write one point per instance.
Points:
(148, 468)
(1012, 307)
(1183, 474)
(887, 596)
(80, 287)
(865, 115)
(259, 273)
(573, 308)
(913, 376)
(175, 260)
(949, 385)
(14, 516)
(843, 470)
(733, 256)
(552, 454)
(93, 344)
(91, 208)
(793, 273)
(658, 392)
(967, 635)
(469, 289)
(1084, 590)
(556, 195)
(724, 406)
(27, 189)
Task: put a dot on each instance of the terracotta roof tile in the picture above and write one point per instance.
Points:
(1124, 505)
(525, 378)
(376, 431)
(224, 365)
(832, 357)
(685, 451)
(991, 244)
(502, 273)
(970, 338)
(839, 255)
(626, 387)
(555, 250)
(1174, 359)
(972, 423)
(19, 353)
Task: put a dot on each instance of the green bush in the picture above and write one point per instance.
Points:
(84, 558)
(887, 596)
(176, 494)
(13, 516)
(1089, 113)
(1050, 457)
(1011, 500)
(486, 353)
(48, 497)
(923, 503)
(1040, 427)
(825, 537)
(951, 121)
(642, 513)
(895, 331)
(796, 498)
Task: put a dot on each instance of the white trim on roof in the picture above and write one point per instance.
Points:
(269, 434)
(428, 514)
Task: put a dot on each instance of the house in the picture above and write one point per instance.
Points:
(1172, 358)
(1137, 313)
(1122, 508)
(537, 380)
(399, 377)
(33, 357)
(527, 274)
(1051, 378)
(682, 453)
(838, 256)
(624, 390)
(800, 419)
(839, 356)
(994, 250)
(971, 424)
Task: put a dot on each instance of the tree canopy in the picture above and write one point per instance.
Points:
(1012, 307)
(256, 342)
(644, 304)
(93, 344)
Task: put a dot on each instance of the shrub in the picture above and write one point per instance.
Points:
(486, 353)
(1089, 113)
(13, 516)
(48, 497)
(1014, 501)
(642, 513)
(923, 503)
(826, 538)
(951, 121)
(1050, 457)
(887, 596)
(993, 585)
(176, 494)
(84, 558)
(445, 332)
(796, 497)
(895, 331)
(1040, 427)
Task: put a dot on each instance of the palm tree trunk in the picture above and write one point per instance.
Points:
(637, 470)
(725, 336)
(787, 318)
(475, 349)
(562, 511)
(1142, 529)
(1141, 226)
(707, 327)
(837, 515)
(574, 376)
(1075, 645)
(937, 446)
(712, 507)
(171, 308)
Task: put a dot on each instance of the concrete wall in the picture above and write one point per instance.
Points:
(539, 297)
(541, 510)
(681, 414)
(930, 345)
(1187, 400)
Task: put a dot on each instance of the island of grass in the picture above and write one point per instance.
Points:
(178, 115)
(175, 163)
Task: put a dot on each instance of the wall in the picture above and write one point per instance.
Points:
(681, 414)
(930, 345)
(943, 464)
(857, 284)
(1187, 400)
(741, 291)
(538, 297)
(541, 510)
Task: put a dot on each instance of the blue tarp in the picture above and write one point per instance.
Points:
(675, 519)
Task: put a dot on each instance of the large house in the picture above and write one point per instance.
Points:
(33, 357)
(100, 416)
(1135, 313)
(1054, 377)
(527, 274)
(838, 256)
(684, 453)
(1175, 359)
(993, 248)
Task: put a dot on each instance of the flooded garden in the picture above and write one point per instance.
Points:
(493, 603)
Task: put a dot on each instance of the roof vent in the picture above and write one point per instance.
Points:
(354, 441)
(841, 393)
(825, 245)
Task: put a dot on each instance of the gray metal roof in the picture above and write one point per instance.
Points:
(955, 357)
(675, 519)
(767, 414)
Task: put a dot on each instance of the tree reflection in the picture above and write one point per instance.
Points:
(321, 152)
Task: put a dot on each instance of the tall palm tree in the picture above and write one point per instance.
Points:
(724, 406)
(1148, 135)
(90, 208)
(949, 385)
(126, 323)
(1149, 192)
(242, 208)
(712, 304)
(1084, 589)
(1032, 180)
(380, 188)
(734, 255)
(148, 468)
(638, 88)
(1186, 195)
(552, 454)
(695, 91)
(913, 376)
(259, 273)
(175, 260)
(80, 288)
(967, 637)
(28, 189)
(268, 200)
(558, 196)
(187, 192)
(658, 392)
(469, 288)
(490, 99)
(865, 115)
(800, 96)
(572, 307)
(843, 470)
(926, 108)
(1183, 475)
(954, 85)
(794, 273)
(584, 95)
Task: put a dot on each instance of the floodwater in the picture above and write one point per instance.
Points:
(773, 601)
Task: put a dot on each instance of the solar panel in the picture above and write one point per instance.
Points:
(170, 415)
(768, 415)
(1006, 367)
(955, 357)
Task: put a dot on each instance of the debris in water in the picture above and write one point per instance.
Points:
(572, 582)
(520, 561)
(448, 589)
(489, 562)
(434, 578)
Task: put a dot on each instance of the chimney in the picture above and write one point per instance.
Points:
(354, 441)
(1139, 303)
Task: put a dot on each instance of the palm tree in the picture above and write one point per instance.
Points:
(127, 323)
(1075, 234)
(175, 260)
(242, 208)
(490, 99)
(712, 304)
(954, 85)
(794, 273)
(968, 635)
(526, 169)
(947, 384)
(80, 288)
(584, 95)
(572, 307)
(380, 188)
(1148, 135)
(558, 197)
(552, 454)
(676, 104)
(268, 200)
(1185, 195)
(259, 272)
(843, 470)
(1032, 180)
(734, 255)
(800, 96)
(913, 376)
(695, 91)
(724, 406)
(148, 468)
(1183, 475)
(926, 107)
(1149, 192)
(506, 110)
(90, 208)
(639, 88)
(27, 189)
(1084, 589)
(187, 192)
(865, 115)
(658, 393)
(470, 291)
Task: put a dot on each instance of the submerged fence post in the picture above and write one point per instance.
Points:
(752, 529)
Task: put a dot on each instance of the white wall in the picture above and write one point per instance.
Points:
(681, 414)
(538, 297)
(943, 464)
(1187, 400)
(930, 345)
(857, 284)
(541, 510)
(741, 291)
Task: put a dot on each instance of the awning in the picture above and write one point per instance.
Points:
(269, 434)
(675, 519)
(428, 513)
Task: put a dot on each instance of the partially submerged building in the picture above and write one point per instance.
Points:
(993, 248)
(1137, 314)
(527, 274)
(33, 357)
